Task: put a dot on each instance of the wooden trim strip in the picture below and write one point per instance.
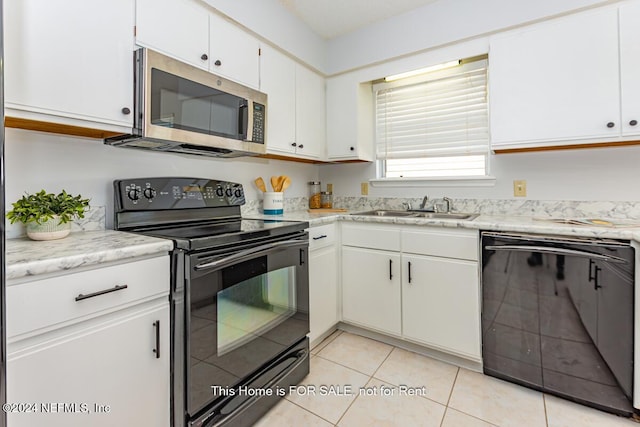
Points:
(566, 147)
(62, 129)
(40, 126)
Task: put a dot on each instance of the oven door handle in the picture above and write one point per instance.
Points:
(248, 253)
(555, 251)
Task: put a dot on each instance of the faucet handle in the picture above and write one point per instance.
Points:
(406, 205)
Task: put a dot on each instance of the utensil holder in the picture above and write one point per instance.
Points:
(273, 203)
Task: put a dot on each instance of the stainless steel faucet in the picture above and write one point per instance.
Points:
(424, 202)
(448, 205)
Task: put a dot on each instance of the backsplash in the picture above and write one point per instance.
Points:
(542, 208)
(537, 208)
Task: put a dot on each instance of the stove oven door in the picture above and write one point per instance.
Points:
(247, 317)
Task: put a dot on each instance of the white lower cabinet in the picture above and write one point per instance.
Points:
(425, 289)
(103, 361)
(323, 281)
(371, 289)
(102, 375)
(440, 303)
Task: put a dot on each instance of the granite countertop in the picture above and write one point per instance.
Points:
(525, 224)
(24, 257)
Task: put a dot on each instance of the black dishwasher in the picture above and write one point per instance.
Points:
(558, 316)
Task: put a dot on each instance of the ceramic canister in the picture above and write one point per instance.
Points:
(273, 203)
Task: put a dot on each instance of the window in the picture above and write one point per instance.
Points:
(434, 125)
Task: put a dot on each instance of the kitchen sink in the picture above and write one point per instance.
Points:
(446, 215)
(383, 212)
(419, 214)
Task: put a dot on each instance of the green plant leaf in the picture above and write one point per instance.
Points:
(42, 206)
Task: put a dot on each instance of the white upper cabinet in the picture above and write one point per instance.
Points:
(189, 32)
(277, 80)
(296, 106)
(310, 113)
(556, 82)
(630, 67)
(70, 59)
(349, 119)
(233, 53)
(177, 28)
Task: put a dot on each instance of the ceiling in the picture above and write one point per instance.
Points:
(333, 18)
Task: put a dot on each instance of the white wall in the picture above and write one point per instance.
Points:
(599, 174)
(438, 24)
(36, 161)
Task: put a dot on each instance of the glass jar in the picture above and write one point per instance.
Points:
(326, 200)
(314, 195)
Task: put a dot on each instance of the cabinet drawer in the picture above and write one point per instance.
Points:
(46, 302)
(322, 236)
(448, 243)
(371, 236)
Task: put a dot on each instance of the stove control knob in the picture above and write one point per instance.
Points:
(149, 193)
(219, 192)
(134, 194)
(238, 192)
(229, 192)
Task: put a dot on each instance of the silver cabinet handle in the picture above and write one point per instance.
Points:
(80, 297)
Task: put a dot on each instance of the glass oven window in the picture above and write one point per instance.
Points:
(250, 308)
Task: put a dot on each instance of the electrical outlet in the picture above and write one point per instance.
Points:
(329, 188)
(520, 188)
(364, 188)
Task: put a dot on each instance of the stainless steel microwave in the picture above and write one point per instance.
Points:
(181, 108)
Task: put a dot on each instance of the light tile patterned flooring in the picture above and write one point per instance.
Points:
(453, 397)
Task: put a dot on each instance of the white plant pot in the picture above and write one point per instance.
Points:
(48, 230)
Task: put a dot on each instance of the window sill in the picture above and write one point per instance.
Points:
(445, 181)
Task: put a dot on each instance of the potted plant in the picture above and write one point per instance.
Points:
(48, 216)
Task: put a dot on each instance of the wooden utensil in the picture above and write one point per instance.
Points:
(260, 184)
(274, 183)
(286, 182)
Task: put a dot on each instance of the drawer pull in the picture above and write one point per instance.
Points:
(320, 237)
(80, 297)
(156, 350)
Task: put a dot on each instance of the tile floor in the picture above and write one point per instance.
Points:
(401, 388)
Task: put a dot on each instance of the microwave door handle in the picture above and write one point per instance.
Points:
(248, 253)
(555, 251)
(243, 120)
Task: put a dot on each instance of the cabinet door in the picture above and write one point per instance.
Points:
(233, 53)
(440, 303)
(371, 289)
(323, 291)
(177, 28)
(630, 67)
(108, 372)
(70, 58)
(349, 119)
(277, 80)
(556, 81)
(310, 113)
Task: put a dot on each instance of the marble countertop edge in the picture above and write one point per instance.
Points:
(25, 257)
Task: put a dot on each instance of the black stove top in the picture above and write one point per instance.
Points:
(195, 213)
(207, 235)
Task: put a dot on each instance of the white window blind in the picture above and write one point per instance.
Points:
(436, 125)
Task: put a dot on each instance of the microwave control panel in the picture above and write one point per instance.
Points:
(176, 193)
(258, 123)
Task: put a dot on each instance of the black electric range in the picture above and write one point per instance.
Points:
(239, 296)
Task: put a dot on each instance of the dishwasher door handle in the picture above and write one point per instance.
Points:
(555, 251)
